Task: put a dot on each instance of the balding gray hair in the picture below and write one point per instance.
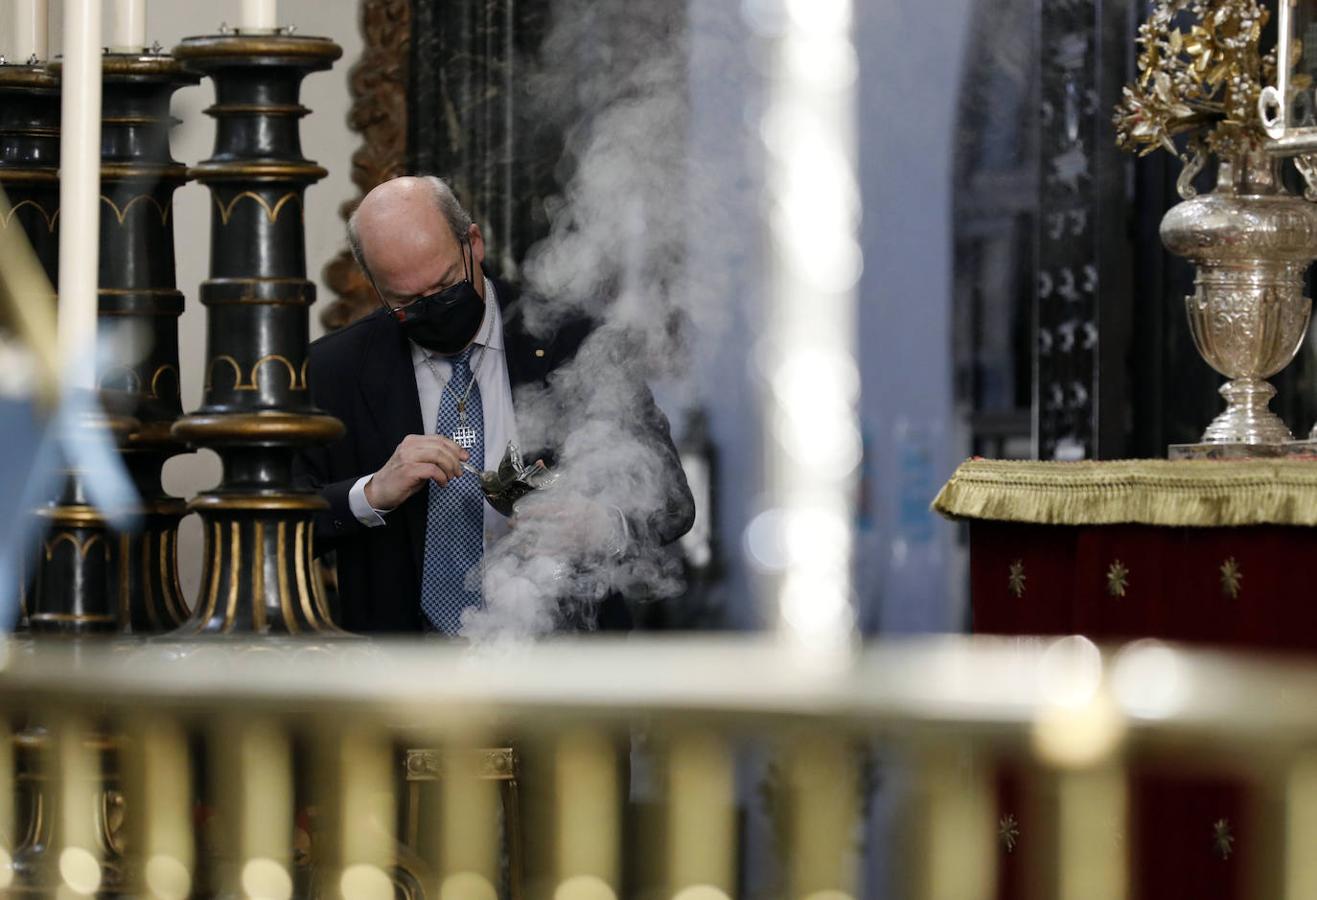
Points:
(457, 218)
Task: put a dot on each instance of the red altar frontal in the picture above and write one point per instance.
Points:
(1196, 551)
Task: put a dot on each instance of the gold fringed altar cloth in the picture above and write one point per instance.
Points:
(1184, 493)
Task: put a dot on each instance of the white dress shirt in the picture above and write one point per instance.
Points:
(490, 365)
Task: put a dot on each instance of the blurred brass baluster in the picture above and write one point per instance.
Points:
(1089, 813)
(162, 822)
(468, 826)
(701, 829)
(365, 815)
(1300, 836)
(9, 836)
(255, 801)
(35, 774)
(823, 794)
(587, 808)
(952, 801)
(78, 788)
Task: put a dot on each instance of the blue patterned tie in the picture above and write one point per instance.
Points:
(454, 527)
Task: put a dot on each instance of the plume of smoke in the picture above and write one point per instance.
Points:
(617, 255)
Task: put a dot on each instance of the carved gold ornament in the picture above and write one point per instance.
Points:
(1201, 71)
(1223, 838)
(1016, 578)
(1008, 832)
(1231, 578)
(1117, 579)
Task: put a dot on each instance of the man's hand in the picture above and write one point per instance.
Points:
(418, 459)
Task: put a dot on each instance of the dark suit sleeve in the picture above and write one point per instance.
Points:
(338, 521)
(676, 514)
(321, 468)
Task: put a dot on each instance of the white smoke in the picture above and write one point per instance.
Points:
(615, 76)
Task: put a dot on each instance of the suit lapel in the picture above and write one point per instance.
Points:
(532, 359)
(388, 386)
(525, 364)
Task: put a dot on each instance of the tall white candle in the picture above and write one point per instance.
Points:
(258, 14)
(129, 24)
(30, 25)
(80, 189)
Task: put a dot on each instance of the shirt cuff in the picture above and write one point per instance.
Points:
(366, 514)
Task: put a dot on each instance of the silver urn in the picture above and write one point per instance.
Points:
(1251, 241)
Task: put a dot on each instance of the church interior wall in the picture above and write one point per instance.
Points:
(910, 574)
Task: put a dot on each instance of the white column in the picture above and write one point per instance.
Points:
(812, 436)
(129, 25)
(79, 184)
(31, 21)
(258, 15)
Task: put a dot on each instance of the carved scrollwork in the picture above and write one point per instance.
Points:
(1306, 163)
(378, 83)
(1247, 328)
(1193, 164)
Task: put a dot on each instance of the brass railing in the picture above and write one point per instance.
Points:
(372, 769)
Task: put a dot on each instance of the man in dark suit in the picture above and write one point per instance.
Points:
(424, 386)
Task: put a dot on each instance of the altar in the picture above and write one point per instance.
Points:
(1202, 551)
(1205, 552)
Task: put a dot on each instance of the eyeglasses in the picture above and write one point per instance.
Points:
(468, 265)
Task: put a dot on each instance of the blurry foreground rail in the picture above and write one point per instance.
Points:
(351, 769)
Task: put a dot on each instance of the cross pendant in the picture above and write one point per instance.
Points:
(464, 436)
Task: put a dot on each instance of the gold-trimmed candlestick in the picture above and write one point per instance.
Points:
(257, 574)
(74, 591)
(71, 591)
(139, 297)
(29, 176)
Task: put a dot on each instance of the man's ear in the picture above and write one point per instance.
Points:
(477, 242)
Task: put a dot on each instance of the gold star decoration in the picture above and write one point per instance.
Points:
(1008, 832)
(1223, 840)
(1118, 580)
(1231, 578)
(1015, 580)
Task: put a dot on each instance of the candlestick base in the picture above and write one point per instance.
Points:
(73, 592)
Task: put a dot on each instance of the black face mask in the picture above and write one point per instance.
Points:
(446, 321)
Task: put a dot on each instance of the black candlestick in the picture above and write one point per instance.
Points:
(29, 175)
(139, 294)
(256, 413)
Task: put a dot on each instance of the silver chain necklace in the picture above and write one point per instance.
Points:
(463, 435)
